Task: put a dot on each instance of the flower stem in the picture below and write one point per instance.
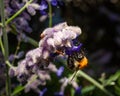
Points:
(10, 65)
(1, 45)
(94, 82)
(6, 52)
(32, 41)
(16, 51)
(50, 14)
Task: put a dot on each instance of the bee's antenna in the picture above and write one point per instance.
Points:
(74, 75)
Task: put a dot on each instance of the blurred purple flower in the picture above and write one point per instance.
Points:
(22, 37)
(59, 93)
(44, 5)
(11, 57)
(12, 71)
(78, 91)
(54, 2)
(43, 12)
(33, 84)
(60, 71)
(69, 51)
(31, 10)
(76, 87)
(43, 92)
(20, 54)
(22, 25)
(26, 16)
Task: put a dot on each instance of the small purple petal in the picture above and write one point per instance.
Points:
(20, 54)
(26, 16)
(60, 71)
(59, 94)
(31, 10)
(27, 29)
(11, 72)
(43, 12)
(76, 48)
(69, 51)
(43, 92)
(54, 2)
(43, 5)
(11, 57)
(78, 90)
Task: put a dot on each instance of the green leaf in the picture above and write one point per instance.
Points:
(112, 79)
(17, 90)
(88, 89)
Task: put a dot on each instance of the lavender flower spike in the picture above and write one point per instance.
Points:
(59, 36)
(38, 62)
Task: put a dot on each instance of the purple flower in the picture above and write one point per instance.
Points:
(42, 92)
(31, 10)
(72, 49)
(44, 5)
(11, 57)
(54, 2)
(33, 84)
(43, 12)
(78, 91)
(60, 71)
(59, 93)
(22, 25)
(20, 54)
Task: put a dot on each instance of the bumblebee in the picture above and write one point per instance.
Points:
(77, 60)
(76, 57)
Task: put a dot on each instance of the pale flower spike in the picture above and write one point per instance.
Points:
(38, 62)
